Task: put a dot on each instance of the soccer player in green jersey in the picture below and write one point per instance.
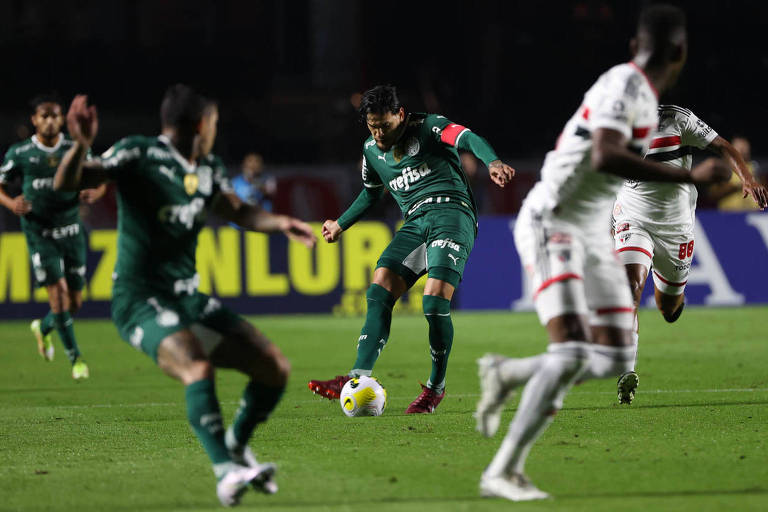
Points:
(51, 224)
(166, 185)
(414, 156)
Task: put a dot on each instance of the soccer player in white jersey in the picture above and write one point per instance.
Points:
(581, 290)
(653, 222)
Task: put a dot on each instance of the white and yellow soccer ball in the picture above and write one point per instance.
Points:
(363, 396)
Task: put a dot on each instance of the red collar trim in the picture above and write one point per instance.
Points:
(631, 63)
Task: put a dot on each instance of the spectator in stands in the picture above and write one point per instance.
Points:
(254, 186)
(729, 196)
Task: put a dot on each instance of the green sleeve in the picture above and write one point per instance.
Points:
(367, 198)
(460, 137)
(9, 168)
(469, 141)
(122, 157)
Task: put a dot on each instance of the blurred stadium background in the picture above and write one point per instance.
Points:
(287, 76)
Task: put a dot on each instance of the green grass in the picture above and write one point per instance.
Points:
(695, 439)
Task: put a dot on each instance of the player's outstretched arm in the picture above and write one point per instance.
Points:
(83, 125)
(251, 217)
(467, 140)
(749, 186)
(18, 205)
(610, 155)
(368, 197)
(331, 231)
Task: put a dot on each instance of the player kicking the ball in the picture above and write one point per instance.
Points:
(582, 295)
(414, 156)
(51, 224)
(653, 222)
(166, 186)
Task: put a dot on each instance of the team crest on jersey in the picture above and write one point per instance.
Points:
(412, 147)
(205, 180)
(191, 181)
(53, 161)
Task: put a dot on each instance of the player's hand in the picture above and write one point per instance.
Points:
(758, 193)
(711, 170)
(299, 231)
(21, 206)
(331, 231)
(82, 120)
(501, 173)
(91, 195)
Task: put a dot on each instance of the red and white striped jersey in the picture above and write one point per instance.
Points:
(668, 203)
(622, 99)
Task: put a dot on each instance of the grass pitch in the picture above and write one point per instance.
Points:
(695, 439)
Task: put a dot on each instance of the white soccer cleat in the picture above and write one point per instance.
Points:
(236, 481)
(245, 457)
(493, 394)
(515, 488)
(44, 342)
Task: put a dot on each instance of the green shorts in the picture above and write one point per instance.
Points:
(437, 242)
(58, 252)
(144, 318)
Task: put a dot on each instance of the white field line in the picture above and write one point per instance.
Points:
(180, 403)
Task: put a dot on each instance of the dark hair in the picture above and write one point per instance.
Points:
(182, 107)
(379, 100)
(47, 97)
(660, 22)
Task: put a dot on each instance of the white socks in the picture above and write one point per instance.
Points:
(517, 371)
(555, 373)
(605, 361)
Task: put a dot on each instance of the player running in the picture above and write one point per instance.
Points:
(51, 223)
(414, 157)
(653, 222)
(581, 291)
(166, 186)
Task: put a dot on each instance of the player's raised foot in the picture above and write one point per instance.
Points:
(426, 402)
(44, 342)
(517, 487)
(80, 370)
(330, 389)
(626, 387)
(493, 394)
(231, 487)
(672, 318)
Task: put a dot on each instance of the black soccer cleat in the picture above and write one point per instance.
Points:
(626, 387)
(675, 314)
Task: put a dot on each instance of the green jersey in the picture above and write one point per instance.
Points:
(162, 206)
(422, 170)
(37, 164)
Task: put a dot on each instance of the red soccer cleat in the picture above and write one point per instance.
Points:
(426, 402)
(330, 389)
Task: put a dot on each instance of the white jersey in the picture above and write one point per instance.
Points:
(670, 204)
(622, 99)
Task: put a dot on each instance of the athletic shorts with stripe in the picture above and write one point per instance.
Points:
(573, 271)
(144, 318)
(667, 256)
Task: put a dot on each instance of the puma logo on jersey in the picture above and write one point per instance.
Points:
(167, 171)
(454, 259)
(409, 175)
(381, 157)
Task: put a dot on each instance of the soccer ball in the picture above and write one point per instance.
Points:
(363, 396)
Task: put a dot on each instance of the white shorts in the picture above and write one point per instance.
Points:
(572, 271)
(666, 255)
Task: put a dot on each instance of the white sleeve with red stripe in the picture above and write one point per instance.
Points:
(696, 132)
(452, 133)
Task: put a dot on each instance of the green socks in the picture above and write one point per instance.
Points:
(48, 323)
(204, 416)
(437, 311)
(63, 323)
(257, 403)
(375, 332)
